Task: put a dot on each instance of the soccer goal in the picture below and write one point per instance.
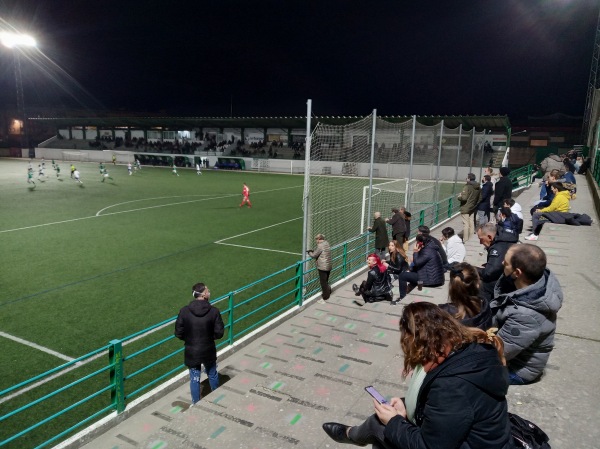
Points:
(75, 156)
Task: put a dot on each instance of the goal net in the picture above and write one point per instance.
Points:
(75, 156)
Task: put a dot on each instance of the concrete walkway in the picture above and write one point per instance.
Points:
(313, 368)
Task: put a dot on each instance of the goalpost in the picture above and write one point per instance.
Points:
(75, 156)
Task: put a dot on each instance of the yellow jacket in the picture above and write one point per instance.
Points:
(560, 203)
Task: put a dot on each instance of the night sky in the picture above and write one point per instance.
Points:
(267, 57)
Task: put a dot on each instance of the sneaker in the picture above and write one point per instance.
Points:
(532, 237)
(322, 301)
(356, 289)
(393, 303)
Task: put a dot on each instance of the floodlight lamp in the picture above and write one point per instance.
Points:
(12, 40)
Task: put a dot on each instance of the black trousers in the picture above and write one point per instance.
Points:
(324, 281)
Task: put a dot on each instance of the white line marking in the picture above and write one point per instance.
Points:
(133, 210)
(77, 365)
(261, 249)
(259, 229)
(143, 199)
(36, 346)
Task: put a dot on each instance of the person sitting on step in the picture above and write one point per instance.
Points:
(378, 285)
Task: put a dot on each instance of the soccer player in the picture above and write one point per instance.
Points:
(53, 163)
(114, 159)
(30, 177)
(129, 169)
(72, 170)
(246, 196)
(137, 165)
(175, 170)
(104, 173)
(57, 168)
(198, 171)
(40, 171)
(76, 176)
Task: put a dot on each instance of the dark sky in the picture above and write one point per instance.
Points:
(515, 57)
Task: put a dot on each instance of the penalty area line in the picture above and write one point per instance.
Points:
(36, 346)
(260, 249)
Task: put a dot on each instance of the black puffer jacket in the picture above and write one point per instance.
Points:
(493, 268)
(199, 324)
(502, 191)
(461, 404)
(428, 265)
(487, 191)
(378, 284)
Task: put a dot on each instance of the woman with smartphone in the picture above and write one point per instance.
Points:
(462, 399)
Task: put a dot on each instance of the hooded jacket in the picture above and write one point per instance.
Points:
(461, 404)
(199, 324)
(493, 268)
(527, 322)
(469, 197)
(428, 264)
(560, 203)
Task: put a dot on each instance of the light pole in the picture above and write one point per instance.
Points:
(16, 41)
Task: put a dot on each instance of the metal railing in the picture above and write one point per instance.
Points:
(51, 406)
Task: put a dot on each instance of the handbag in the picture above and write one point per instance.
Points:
(526, 434)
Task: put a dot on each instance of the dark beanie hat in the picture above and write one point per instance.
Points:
(504, 171)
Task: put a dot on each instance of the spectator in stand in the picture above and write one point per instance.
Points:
(526, 301)
(537, 173)
(546, 194)
(485, 204)
(502, 189)
(407, 218)
(453, 247)
(469, 199)
(398, 260)
(496, 242)
(427, 267)
(560, 203)
(515, 207)
(460, 403)
(509, 221)
(465, 302)
(322, 255)
(425, 231)
(381, 235)
(396, 221)
(378, 285)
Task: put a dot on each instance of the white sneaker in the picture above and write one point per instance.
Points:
(321, 301)
(532, 237)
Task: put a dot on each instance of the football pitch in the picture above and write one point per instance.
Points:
(87, 263)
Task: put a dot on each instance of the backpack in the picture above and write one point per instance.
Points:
(526, 434)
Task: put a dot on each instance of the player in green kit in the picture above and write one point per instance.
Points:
(30, 177)
(57, 168)
(175, 170)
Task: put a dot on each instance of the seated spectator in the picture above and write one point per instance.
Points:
(585, 166)
(453, 246)
(546, 194)
(560, 203)
(496, 242)
(464, 300)
(526, 301)
(425, 231)
(509, 221)
(515, 207)
(537, 173)
(461, 403)
(378, 285)
(427, 268)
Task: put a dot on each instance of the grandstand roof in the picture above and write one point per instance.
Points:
(497, 122)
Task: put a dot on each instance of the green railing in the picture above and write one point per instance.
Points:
(596, 168)
(51, 406)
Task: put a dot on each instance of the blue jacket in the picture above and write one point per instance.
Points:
(427, 263)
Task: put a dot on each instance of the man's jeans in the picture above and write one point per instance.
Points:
(213, 379)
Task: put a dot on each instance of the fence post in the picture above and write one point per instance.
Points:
(450, 207)
(299, 283)
(115, 358)
(422, 217)
(436, 213)
(231, 333)
(345, 260)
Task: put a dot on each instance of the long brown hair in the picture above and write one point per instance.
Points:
(426, 331)
(463, 291)
(399, 250)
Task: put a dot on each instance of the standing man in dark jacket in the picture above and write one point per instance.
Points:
(398, 225)
(199, 324)
(496, 242)
(381, 236)
(502, 189)
(469, 199)
(407, 218)
(483, 208)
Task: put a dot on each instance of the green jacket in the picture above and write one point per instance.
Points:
(469, 197)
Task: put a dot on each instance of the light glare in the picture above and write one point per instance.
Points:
(12, 40)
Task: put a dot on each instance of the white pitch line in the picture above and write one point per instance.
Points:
(36, 346)
(259, 229)
(261, 249)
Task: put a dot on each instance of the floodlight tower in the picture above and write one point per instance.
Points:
(17, 41)
(593, 84)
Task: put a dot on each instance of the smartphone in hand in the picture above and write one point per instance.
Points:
(376, 394)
